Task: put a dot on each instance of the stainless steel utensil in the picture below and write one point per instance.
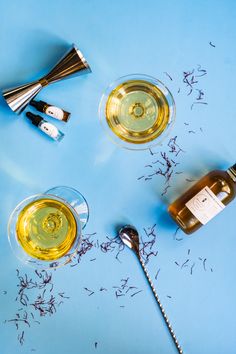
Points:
(130, 237)
(71, 64)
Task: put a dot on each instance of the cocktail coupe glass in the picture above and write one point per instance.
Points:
(137, 112)
(45, 230)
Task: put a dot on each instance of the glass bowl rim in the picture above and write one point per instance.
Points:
(35, 262)
(73, 190)
(128, 145)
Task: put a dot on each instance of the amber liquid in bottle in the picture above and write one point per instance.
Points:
(204, 200)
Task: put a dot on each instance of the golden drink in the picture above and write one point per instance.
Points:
(46, 229)
(137, 111)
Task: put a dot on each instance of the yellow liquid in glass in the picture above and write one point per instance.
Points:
(46, 229)
(137, 111)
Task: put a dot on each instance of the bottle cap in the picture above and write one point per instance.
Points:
(233, 167)
(232, 172)
(34, 118)
(39, 105)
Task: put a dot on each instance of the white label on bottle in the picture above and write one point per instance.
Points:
(49, 129)
(55, 112)
(205, 205)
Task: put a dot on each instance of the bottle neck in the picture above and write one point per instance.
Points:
(232, 173)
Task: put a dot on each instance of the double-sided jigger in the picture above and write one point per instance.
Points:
(71, 64)
(130, 237)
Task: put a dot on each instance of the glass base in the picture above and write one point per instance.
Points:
(75, 199)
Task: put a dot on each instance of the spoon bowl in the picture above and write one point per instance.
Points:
(129, 236)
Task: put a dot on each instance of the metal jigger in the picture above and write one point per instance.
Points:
(71, 64)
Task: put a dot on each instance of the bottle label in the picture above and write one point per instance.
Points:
(55, 112)
(49, 129)
(205, 205)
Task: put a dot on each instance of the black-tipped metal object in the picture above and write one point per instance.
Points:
(71, 64)
(130, 237)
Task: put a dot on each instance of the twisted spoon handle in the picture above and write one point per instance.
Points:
(178, 347)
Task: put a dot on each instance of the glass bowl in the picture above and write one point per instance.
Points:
(137, 111)
(61, 201)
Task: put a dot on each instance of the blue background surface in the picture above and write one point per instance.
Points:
(119, 38)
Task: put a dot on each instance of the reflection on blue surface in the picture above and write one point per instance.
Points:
(153, 38)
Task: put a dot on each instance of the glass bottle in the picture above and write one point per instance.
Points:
(46, 127)
(51, 110)
(204, 200)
